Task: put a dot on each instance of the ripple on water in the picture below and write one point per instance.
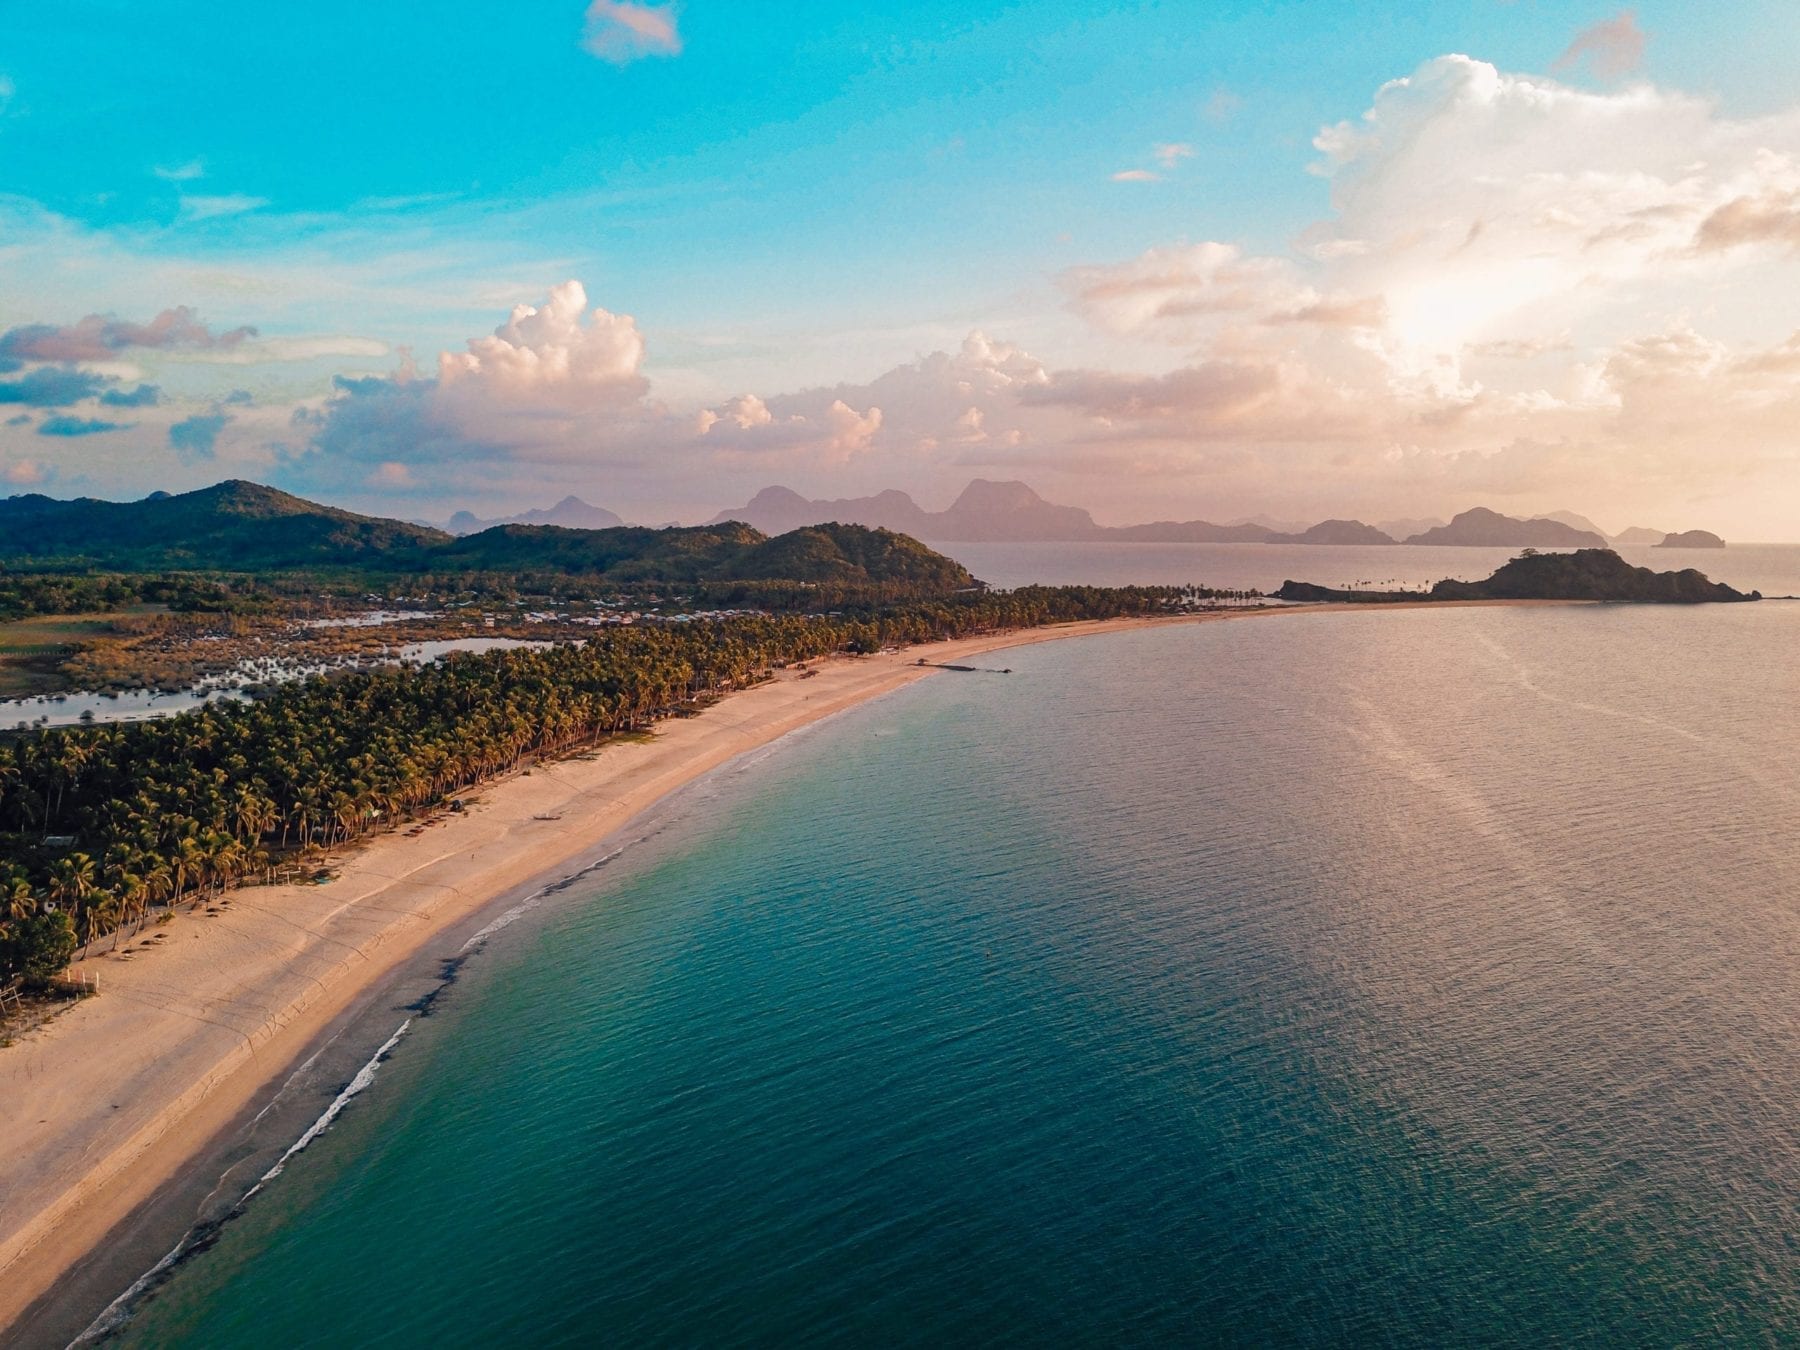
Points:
(1421, 979)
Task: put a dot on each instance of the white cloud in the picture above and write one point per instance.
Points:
(1171, 153)
(181, 173)
(1135, 176)
(547, 352)
(1521, 287)
(622, 32)
(851, 430)
(283, 349)
(1611, 48)
(227, 204)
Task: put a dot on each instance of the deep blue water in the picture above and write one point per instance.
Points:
(1419, 978)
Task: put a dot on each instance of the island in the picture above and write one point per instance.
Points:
(1691, 539)
(1339, 532)
(1586, 574)
(1479, 527)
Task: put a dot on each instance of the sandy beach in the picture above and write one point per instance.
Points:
(104, 1104)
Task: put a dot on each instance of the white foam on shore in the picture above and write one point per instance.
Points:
(651, 824)
(535, 899)
(120, 1309)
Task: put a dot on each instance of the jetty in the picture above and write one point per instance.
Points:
(979, 670)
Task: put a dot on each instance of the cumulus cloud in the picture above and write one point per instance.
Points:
(1611, 48)
(548, 352)
(622, 32)
(53, 387)
(557, 383)
(1519, 284)
(195, 438)
(101, 337)
(556, 395)
(24, 473)
(1171, 153)
(1771, 217)
(1483, 206)
(1479, 311)
(144, 396)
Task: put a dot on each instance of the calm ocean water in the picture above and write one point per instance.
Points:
(1773, 569)
(1420, 978)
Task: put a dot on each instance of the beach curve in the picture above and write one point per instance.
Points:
(112, 1099)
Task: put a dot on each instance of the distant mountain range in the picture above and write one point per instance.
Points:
(985, 512)
(1406, 528)
(241, 526)
(1480, 527)
(571, 513)
(997, 512)
(237, 526)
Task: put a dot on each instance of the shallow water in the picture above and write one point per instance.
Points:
(1423, 978)
(134, 705)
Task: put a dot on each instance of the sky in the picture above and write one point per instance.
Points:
(1201, 260)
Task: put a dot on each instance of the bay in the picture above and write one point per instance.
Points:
(1417, 978)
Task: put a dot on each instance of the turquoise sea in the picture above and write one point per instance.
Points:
(1418, 978)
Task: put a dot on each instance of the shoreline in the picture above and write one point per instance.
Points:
(109, 1105)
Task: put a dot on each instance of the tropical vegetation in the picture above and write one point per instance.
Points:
(102, 827)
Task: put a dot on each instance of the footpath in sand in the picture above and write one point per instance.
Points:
(107, 1101)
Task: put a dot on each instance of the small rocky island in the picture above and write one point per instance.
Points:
(1586, 574)
(1691, 539)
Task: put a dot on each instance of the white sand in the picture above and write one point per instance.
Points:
(110, 1099)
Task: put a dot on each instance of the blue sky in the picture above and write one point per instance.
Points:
(784, 198)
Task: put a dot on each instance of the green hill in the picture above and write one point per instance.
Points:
(732, 551)
(624, 553)
(244, 527)
(232, 526)
(851, 554)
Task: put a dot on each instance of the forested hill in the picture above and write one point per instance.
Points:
(1588, 574)
(231, 526)
(1585, 574)
(730, 552)
(245, 527)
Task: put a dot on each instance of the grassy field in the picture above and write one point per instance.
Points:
(33, 651)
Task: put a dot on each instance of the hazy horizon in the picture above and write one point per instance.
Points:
(1350, 261)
